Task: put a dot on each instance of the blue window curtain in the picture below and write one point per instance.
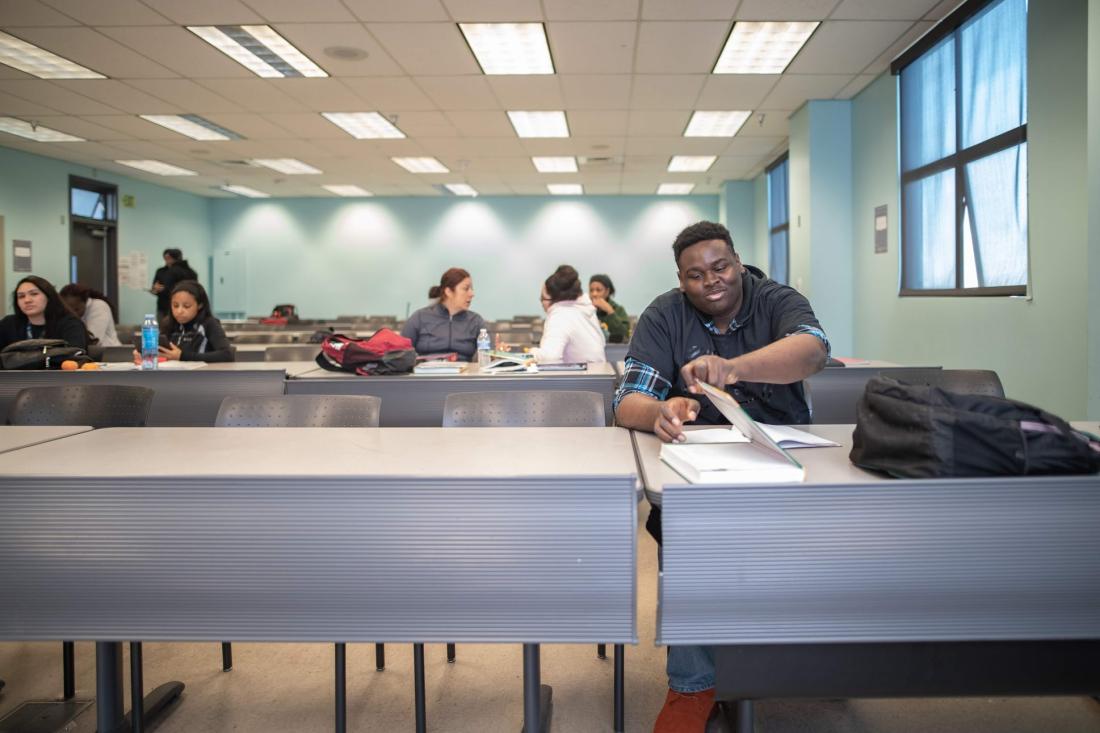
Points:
(778, 223)
(928, 107)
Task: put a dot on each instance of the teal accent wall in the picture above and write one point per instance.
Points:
(380, 256)
(1037, 344)
(34, 201)
(1094, 209)
(737, 211)
(762, 254)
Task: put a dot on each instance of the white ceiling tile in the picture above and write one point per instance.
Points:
(295, 11)
(426, 48)
(494, 11)
(391, 92)
(668, 146)
(31, 13)
(13, 105)
(188, 96)
(592, 123)
(100, 151)
(856, 86)
(644, 164)
(109, 12)
(469, 148)
(596, 91)
(307, 125)
(55, 97)
(733, 166)
(396, 12)
(122, 96)
(178, 49)
(785, 9)
(527, 92)
(883, 9)
(478, 123)
(679, 47)
(748, 146)
(320, 95)
(313, 38)
(551, 146)
(658, 122)
(7, 72)
(882, 63)
(846, 46)
(793, 89)
(134, 127)
(206, 12)
(255, 127)
(592, 48)
(766, 123)
(81, 128)
(588, 10)
(601, 147)
(459, 92)
(943, 9)
(688, 9)
(735, 91)
(255, 95)
(92, 49)
(420, 124)
(149, 150)
(664, 92)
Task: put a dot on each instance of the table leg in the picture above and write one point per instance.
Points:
(227, 656)
(537, 697)
(380, 657)
(601, 651)
(620, 689)
(108, 685)
(341, 688)
(68, 670)
(418, 686)
(744, 722)
(137, 689)
(450, 654)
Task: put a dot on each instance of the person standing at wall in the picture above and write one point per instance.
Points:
(175, 271)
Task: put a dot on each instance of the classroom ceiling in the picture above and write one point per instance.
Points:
(628, 74)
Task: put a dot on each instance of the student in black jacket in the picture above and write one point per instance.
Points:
(194, 334)
(175, 270)
(38, 312)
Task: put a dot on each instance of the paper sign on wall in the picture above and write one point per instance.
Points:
(21, 255)
(133, 271)
(880, 229)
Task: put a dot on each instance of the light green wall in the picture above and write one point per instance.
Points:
(1036, 345)
(34, 201)
(737, 211)
(761, 250)
(798, 191)
(1094, 208)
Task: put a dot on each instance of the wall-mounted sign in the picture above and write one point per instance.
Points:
(21, 255)
(128, 201)
(880, 229)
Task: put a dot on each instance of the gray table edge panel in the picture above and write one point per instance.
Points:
(188, 398)
(958, 559)
(320, 559)
(418, 401)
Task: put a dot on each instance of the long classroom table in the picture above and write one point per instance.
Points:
(327, 534)
(854, 585)
(414, 400)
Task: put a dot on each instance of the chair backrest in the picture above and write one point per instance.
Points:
(536, 409)
(98, 405)
(299, 411)
(836, 392)
(963, 381)
(293, 352)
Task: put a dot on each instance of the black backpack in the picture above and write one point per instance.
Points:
(919, 431)
(41, 354)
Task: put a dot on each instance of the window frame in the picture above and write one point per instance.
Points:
(957, 161)
(786, 225)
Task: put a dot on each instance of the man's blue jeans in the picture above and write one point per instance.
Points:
(690, 668)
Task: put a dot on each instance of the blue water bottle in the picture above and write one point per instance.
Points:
(150, 341)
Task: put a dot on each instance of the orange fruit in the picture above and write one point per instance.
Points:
(69, 365)
(90, 366)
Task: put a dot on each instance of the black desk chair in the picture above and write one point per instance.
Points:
(964, 381)
(98, 405)
(535, 409)
(292, 352)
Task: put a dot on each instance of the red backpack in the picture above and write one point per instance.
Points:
(386, 352)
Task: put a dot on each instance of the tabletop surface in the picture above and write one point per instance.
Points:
(602, 369)
(13, 437)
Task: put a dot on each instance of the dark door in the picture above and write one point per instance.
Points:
(88, 255)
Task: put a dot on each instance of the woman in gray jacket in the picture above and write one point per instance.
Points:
(449, 324)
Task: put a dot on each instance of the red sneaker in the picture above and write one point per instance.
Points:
(685, 712)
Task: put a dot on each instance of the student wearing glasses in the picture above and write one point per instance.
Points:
(571, 332)
(729, 325)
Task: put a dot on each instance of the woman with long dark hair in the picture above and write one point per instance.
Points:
(38, 312)
(448, 324)
(193, 333)
(95, 309)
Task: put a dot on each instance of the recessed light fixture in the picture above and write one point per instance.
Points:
(193, 126)
(675, 189)
(421, 165)
(563, 164)
(509, 48)
(717, 123)
(548, 123)
(40, 62)
(155, 166)
(690, 163)
(246, 191)
(460, 189)
(289, 166)
(364, 125)
(565, 189)
(348, 191)
(259, 49)
(33, 131)
(766, 47)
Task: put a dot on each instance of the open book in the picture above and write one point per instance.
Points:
(759, 460)
(508, 361)
(439, 366)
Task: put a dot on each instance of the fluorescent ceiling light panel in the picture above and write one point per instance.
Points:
(460, 189)
(155, 166)
(421, 165)
(691, 163)
(364, 125)
(719, 123)
(565, 189)
(564, 164)
(766, 47)
(246, 191)
(348, 191)
(289, 166)
(550, 123)
(40, 62)
(36, 132)
(193, 126)
(675, 189)
(259, 49)
(509, 48)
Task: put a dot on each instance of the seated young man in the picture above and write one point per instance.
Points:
(726, 324)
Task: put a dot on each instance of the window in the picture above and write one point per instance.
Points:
(963, 127)
(778, 222)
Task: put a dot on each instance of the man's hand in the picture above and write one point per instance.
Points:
(710, 369)
(669, 426)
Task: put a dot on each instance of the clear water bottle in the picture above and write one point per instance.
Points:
(483, 342)
(150, 340)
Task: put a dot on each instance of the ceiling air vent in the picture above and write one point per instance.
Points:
(599, 161)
